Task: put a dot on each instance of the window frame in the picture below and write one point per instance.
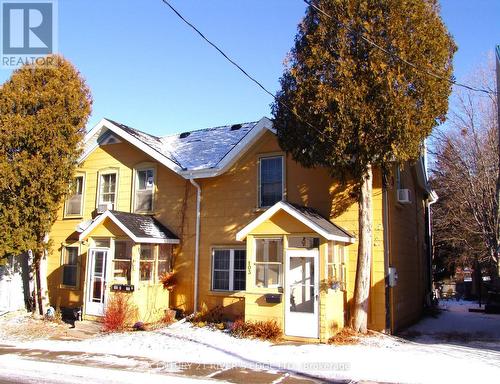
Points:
(152, 261)
(64, 249)
(339, 264)
(281, 251)
(100, 174)
(130, 246)
(137, 169)
(231, 269)
(259, 177)
(82, 202)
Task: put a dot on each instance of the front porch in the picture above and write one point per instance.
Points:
(297, 271)
(127, 253)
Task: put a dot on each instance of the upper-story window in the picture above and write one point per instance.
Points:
(144, 190)
(74, 204)
(270, 180)
(107, 190)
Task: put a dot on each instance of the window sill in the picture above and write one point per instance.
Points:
(72, 217)
(227, 293)
(69, 287)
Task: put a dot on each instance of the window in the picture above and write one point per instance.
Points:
(74, 204)
(70, 266)
(269, 262)
(306, 242)
(228, 269)
(146, 262)
(337, 266)
(164, 258)
(270, 180)
(107, 189)
(122, 261)
(144, 186)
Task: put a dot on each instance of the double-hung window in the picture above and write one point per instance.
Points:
(107, 190)
(270, 180)
(144, 188)
(268, 263)
(337, 265)
(122, 261)
(228, 269)
(70, 266)
(146, 262)
(74, 204)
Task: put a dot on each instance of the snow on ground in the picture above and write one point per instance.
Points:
(428, 358)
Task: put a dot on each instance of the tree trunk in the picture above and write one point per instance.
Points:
(41, 283)
(363, 270)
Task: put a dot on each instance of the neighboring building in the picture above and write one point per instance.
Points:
(243, 225)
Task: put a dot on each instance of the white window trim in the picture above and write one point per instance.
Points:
(144, 167)
(266, 257)
(101, 173)
(340, 253)
(231, 268)
(63, 251)
(113, 254)
(259, 189)
(82, 203)
(153, 262)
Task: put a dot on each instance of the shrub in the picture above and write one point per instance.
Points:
(212, 316)
(265, 330)
(120, 313)
(168, 281)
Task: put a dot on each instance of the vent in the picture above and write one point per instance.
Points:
(404, 196)
(235, 127)
(183, 135)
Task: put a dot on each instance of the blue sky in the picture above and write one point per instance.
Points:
(149, 70)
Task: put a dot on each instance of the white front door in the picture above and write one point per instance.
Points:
(96, 283)
(302, 293)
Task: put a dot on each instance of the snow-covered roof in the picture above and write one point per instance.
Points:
(200, 153)
(140, 228)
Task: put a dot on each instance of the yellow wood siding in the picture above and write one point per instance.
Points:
(229, 202)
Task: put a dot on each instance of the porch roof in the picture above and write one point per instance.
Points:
(140, 228)
(306, 215)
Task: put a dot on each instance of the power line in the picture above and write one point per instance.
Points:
(414, 66)
(245, 72)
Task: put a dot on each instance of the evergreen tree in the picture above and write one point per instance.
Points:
(43, 113)
(347, 105)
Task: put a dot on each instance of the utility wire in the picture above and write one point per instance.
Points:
(245, 72)
(414, 66)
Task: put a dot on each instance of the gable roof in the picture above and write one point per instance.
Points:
(140, 228)
(201, 153)
(308, 216)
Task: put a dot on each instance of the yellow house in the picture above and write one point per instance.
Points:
(241, 225)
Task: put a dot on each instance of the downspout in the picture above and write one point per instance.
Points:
(430, 251)
(197, 242)
(385, 223)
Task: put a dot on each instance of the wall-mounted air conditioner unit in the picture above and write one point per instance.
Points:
(404, 196)
(103, 207)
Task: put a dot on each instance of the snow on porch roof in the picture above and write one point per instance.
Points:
(308, 216)
(140, 228)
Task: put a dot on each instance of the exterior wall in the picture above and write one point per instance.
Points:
(169, 187)
(407, 251)
(229, 202)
